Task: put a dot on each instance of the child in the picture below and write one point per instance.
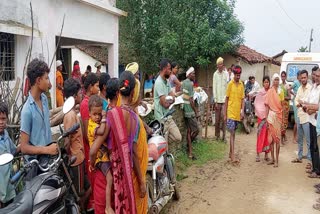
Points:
(91, 86)
(74, 143)
(7, 191)
(35, 123)
(96, 126)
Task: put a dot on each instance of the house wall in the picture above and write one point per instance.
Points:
(84, 60)
(82, 22)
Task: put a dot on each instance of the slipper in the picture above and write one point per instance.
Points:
(275, 165)
(313, 175)
(316, 186)
(257, 159)
(267, 159)
(192, 157)
(309, 171)
(309, 164)
(316, 207)
(270, 163)
(308, 167)
(297, 160)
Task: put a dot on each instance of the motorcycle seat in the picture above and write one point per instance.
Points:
(22, 203)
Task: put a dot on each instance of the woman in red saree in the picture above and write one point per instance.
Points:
(122, 127)
(261, 113)
(274, 98)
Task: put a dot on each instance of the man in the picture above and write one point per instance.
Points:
(315, 68)
(190, 112)
(254, 87)
(59, 84)
(161, 104)
(219, 85)
(311, 107)
(35, 123)
(234, 107)
(302, 117)
(98, 66)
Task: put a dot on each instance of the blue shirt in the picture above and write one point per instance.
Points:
(148, 84)
(7, 191)
(295, 86)
(36, 122)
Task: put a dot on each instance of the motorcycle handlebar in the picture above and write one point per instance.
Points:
(17, 176)
(71, 130)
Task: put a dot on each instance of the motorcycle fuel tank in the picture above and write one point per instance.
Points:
(157, 146)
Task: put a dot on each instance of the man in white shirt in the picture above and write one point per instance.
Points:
(303, 126)
(311, 107)
(219, 86)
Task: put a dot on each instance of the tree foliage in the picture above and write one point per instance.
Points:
(189, 32)
(303, 49)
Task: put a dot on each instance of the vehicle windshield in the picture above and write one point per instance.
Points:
(292, 70)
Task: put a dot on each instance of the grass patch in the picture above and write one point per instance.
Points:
(204, 150)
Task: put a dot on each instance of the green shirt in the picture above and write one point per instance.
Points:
(161, 88)
(187, 88)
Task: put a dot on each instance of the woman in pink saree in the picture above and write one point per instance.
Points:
(261, 113)
(274, 98)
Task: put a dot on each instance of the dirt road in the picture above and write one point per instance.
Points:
(250, 187)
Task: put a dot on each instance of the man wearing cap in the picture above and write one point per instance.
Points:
(161, 105)
(219, 85)
(59, 84)
(234, 107)
(98, 66)
(190, 112)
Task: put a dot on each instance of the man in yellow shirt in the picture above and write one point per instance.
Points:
(234, 107)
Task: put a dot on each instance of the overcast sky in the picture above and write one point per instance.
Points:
(269, 30)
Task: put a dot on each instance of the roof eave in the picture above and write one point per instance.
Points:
(105, 6)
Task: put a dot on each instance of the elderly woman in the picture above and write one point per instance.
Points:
(273, 102)
(261, 113)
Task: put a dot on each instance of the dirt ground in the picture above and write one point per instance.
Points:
(251, 187)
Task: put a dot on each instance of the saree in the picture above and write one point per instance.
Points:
(274, 118)
(142, 149)
(59, 92)
(286, 109)
(261, 111)
(124, 199)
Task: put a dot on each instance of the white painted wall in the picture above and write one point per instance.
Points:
(84, 60)
(83, 21)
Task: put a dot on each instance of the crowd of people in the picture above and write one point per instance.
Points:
(110, 147)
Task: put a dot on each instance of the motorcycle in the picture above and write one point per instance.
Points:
(249, 117)
(161, 176)
(50, 192)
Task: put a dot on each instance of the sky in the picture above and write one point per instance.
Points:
(271, 26)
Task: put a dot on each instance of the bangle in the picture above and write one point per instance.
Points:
(103, 121)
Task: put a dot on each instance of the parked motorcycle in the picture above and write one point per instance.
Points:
(249, 117)
(161, 176)
(50, 192)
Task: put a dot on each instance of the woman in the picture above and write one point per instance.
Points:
(273, 102)
(286, 107)
(260, 111)
(175, 84)
(123, 126)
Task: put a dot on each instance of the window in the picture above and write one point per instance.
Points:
(7, 69)
(292, 70)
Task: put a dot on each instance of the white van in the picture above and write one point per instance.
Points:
(294, 62)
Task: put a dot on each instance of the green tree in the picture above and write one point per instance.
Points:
(189, 32)
(303, 49)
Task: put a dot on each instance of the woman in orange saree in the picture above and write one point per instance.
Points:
(273, 102)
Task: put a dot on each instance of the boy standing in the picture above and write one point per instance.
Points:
(74, 143)
(234, 107)
(7, 191)
(35, 123)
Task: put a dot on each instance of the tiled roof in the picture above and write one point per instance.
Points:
(252, 57)
(97, 52)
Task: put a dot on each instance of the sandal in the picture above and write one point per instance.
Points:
(309, 171)
(316, 207)
(316, 186)
(313, 175)
(275, 165)
(270, 163)
(192, 157)
(267, 159)
(257, 159)
(297, 160)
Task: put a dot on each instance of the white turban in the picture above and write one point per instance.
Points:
(220, 61)
(276, 75)
(189, 71)
(58, 63)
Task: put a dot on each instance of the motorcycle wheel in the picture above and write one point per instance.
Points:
(151, 199)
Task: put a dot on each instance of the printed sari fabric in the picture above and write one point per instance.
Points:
(121, 163)
(262, 136)
(275, 116)
(286, 109)
(142, 149)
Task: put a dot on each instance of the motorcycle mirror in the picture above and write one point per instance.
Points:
(68, 105)
(5, 158)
